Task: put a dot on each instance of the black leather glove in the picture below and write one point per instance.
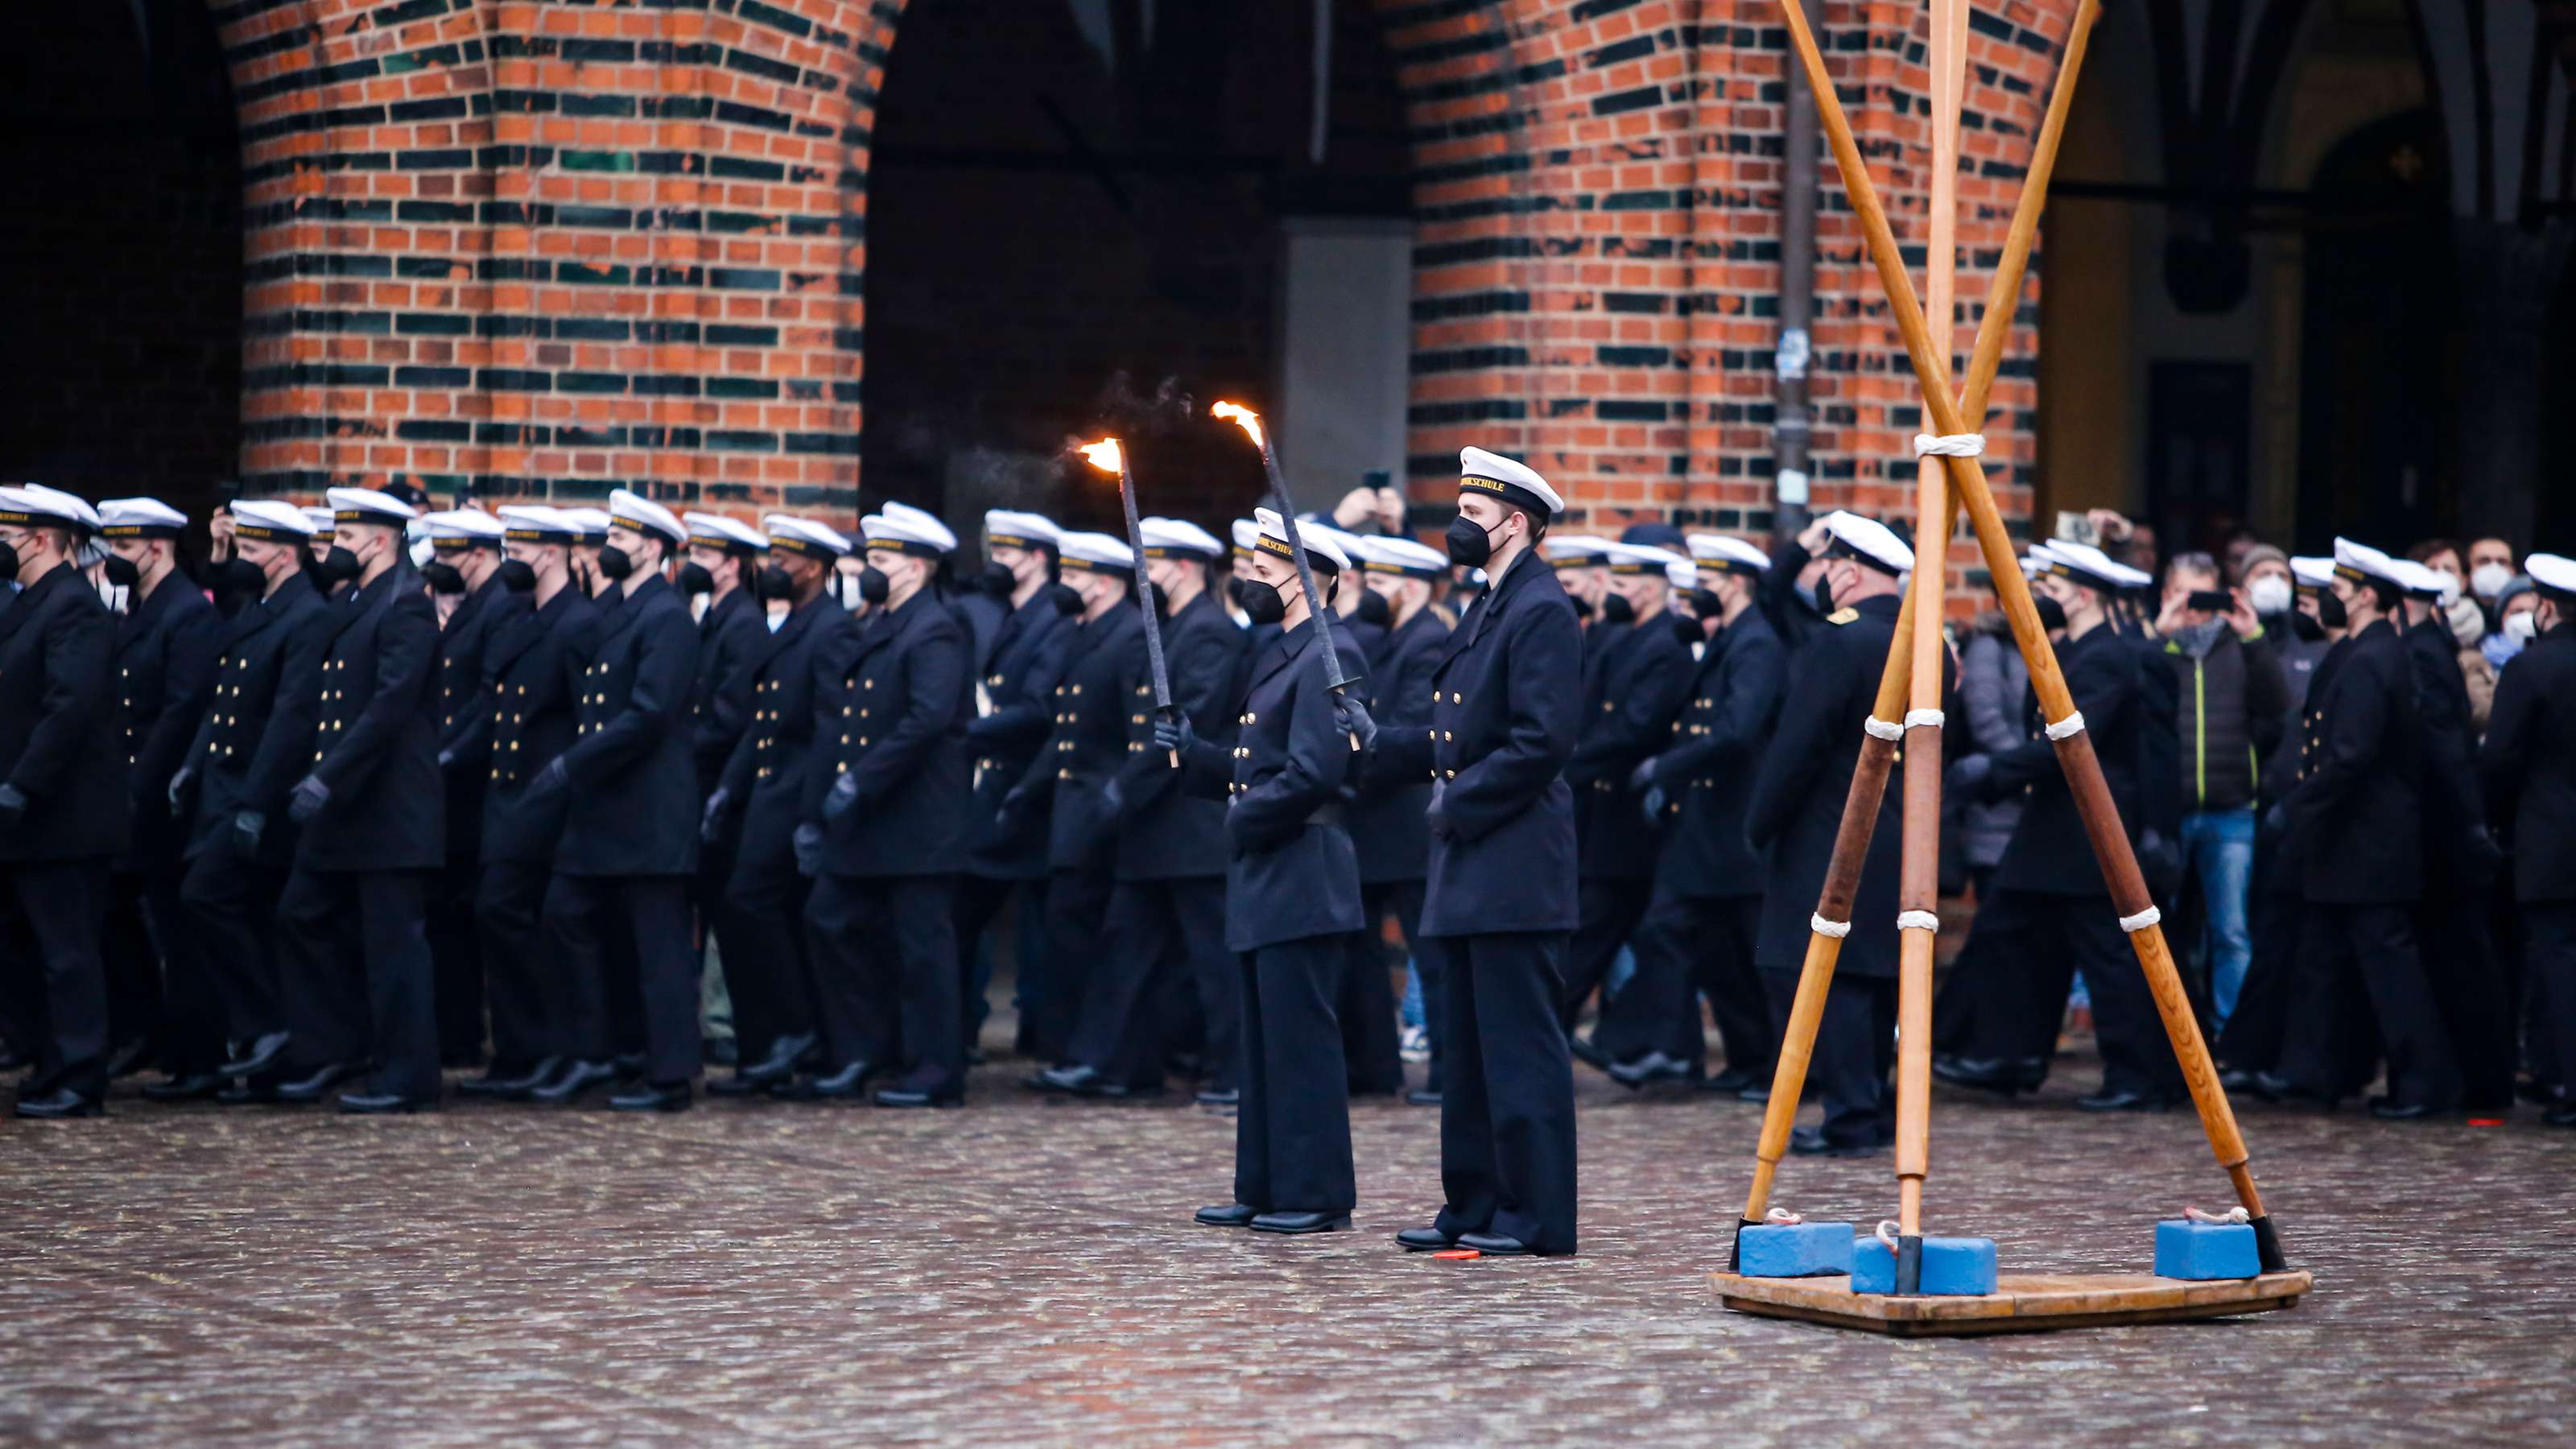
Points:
(1172, 732)
(179, 788)
(13, 806)
(550, 779)
(1971, 777)
(807, 842)
(307, 799)
(711, 819)
(983, 727)
(1642, 776)
(843, 794)
(248, 827)
(1355, 720)
(1653, 801)
(1433, 814)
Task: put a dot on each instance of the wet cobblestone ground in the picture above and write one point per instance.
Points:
(1024, 1272)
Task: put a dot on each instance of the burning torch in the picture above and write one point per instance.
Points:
(1250, 421)
(1108, 457)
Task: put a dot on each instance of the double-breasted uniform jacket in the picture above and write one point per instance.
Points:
(1644, 676)
(1088, 746)
(1798, 794)
(733, 636)
(61, 743)
(530, 667)
(165, 674)
(2049, 851)
(375, 736)
(256, 739)
(635, 801)
(1387, 828)
(1170, 833)
(1504, 716)
(2356, 818)
(1291, 872)
(1015, 708)
(463, 698)
(1706, 773)
(2528, 765)
(803, 663)
(897, 722)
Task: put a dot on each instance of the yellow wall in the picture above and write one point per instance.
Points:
(2086, 386)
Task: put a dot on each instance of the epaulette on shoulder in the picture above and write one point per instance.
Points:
(1842, 616)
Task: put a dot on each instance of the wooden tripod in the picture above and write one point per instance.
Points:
(1913, 673)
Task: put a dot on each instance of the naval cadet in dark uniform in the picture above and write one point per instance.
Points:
(63, 795)
(885, 821)
(1500, 899)
(1016, 673)
(1366, 1000)
(2355, 835)
(160, 999)
(465, 545)
(2048, 910)
(1165, 933)
(1792, 818)
(1292, 895)
(1386, 820)
(769, 969)
(630, 838)
(372, 815)
(1697, 936)
(2528, 767)
(1074, 778)
(724, 565)
(530, 666)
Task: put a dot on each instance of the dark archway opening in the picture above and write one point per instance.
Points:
(120, 250)
(1063, 191)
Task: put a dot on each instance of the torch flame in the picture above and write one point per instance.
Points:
(1242, 417)
(1104, 455)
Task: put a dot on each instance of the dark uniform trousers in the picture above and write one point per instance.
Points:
(231, 901)
(354, 957)
(2549, 956)
(885, 977)
(1077, 937)
(2328, 1051)
(158, 981)
(596, 922)
(1854, 1050)
(1507, 1095)
(1612, 908)
(767, 973)
(456, 958)
(1693, 946)
(980, 900)
(509, 906)
(60, 904)
(1159, 934)
(2032, 943)
(1363, 992)
(1292, 1134)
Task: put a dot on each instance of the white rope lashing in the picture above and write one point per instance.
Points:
(1882, 729)
(1887, 1232)
(2232, 1215)
(1950, 445)
(1835, 929)
(2142, 920)
(1780, 1217)
(2068, 727)
(1924, 719)
(1918, 921)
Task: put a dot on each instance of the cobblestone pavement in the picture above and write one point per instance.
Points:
(1024, 1272)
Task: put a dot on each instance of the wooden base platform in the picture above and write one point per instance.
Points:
(2026, 1302)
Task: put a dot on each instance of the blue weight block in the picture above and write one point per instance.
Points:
(1794, 1250)
(1952, 1267)
(2186, 1249)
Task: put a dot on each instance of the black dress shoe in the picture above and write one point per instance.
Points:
(721, 1051)
(129, 1059)
(315, 1087)
(576, 1078)
(629, 1066)
(1494, 1245)
(1230, 1215)
(2123, 1100)
(2562, 1115)
(1302, 1223)
(902, 1096)
(2389, 1109)
(651, 1097)
(739, 1085)
(189, 1087)
(846, 1084)
(1424, 1240)
(1585, 1052)
(1069, 1080)
(1219, 1097)
(509, 1083)
(780, 1064)
(1988, 1074)
(60, 1103)
(263, 1054)
(2236, 1079)
(1649, 1069)
(1422, 1097)
(1812, 1142)
(1758, 1093)
(384, 1104)
(1735, 1080)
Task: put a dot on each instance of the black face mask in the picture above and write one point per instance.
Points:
(1615, 609)
(1373, 609)
(1582, 606)
(239, 576)
(443, 577)
(2305, 627)
(694, 578)
(614, 565)
(8, 562)
(997, 579)
(2052, 614)
(1687, 630)
(518, 576)
(121, 571)
(1067, 602)
(774, 583)
(1705, 604)
(2331, 612)
(1262, 603)
(337, 567)
(1468, 544)
(874, 585)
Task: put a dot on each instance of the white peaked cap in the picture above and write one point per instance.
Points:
(366, 505)
(1321, 550)
(635, 511)
(472, 525)
(1637, 558)
(1009, 528)
(1575, 550)
(2553, 573)
(1402, 556)
(723, 532)
(1095, 551)
(904, 526)
(805, 536)
(264, 518)
(138, 517)
(588, 524)
(536, 523)
(1493, 473)
(1871, 539)
(1165, 537)
(1727, 552)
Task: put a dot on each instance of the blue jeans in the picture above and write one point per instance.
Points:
(2218, 849)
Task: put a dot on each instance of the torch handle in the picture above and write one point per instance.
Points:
(1144, 588)
(1316, 608)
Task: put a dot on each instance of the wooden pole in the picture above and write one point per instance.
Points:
(1877, 756)
(2075, 749)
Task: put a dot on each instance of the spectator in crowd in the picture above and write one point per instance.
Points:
(1992, 678)
(2517, 607)
(2491, 567)
(2233, 707)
